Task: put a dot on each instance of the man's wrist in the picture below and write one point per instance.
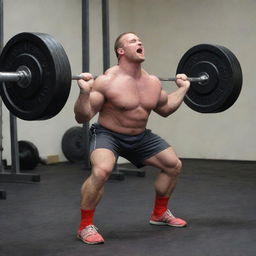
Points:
(84, 92)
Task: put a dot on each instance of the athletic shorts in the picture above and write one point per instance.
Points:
(135, 148)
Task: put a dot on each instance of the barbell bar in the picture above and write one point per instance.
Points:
(11, 76)
(38, 64)
(201, 78)
(24, 76)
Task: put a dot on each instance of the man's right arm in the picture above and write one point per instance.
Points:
(90, 99)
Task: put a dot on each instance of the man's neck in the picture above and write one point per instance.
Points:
(131, 68)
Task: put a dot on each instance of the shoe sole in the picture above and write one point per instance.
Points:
(166, 224)
(91, 243)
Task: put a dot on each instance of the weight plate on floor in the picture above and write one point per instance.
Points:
(225, 78)
(28, 155)
(73, 144)
(50, 84)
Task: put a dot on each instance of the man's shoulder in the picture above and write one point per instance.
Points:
(152, 78)
(108, 75)
(112, 72)
(103, 81)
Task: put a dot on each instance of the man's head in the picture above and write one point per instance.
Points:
(128, 44)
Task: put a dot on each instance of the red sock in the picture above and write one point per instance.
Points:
(160, 207)
(86, 218)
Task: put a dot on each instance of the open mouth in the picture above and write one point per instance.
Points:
(140, 51)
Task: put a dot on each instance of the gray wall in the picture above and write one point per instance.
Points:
(62, 19)
(168, 29)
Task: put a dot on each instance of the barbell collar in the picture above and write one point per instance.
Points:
(11, 76)
(25, 76)
(22, 76)
(14, 76)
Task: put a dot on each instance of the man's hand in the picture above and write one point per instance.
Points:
(86, 83)
(182, 81)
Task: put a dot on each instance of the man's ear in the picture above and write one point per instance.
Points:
(120, 51)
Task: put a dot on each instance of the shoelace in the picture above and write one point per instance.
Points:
(169, 215)
(90, 230)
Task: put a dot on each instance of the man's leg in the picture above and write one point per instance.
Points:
(170, 166)
(102, 161)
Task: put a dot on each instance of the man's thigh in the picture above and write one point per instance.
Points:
(103, 158)
(164, 159)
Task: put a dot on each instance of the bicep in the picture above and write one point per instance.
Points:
(96, 101)
(162, 103)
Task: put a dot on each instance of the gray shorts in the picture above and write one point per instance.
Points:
(135, 148)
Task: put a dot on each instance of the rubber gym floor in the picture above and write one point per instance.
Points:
(217, 198)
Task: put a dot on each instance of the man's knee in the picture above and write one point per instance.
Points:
(101, 173)
(178, 166)
(174, 169)
(103, 161)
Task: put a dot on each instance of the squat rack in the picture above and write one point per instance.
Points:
(118, 172)
(2, 192)
(15, 174)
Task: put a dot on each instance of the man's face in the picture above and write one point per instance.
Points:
(132, 48)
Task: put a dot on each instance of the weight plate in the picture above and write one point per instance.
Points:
(28, 155)
(50, 70)
(225, 78)
(73, 145)
(3, 194)
(238, 79)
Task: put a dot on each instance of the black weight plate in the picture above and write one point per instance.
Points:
(50, 83)
(28, 155)
(225, 78)
(238, 79)
(73, 144)
(3, 194)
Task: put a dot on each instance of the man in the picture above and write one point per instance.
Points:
(124, 97)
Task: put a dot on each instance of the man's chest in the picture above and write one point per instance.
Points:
(128, 96)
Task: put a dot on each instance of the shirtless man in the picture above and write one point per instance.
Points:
(124, 98)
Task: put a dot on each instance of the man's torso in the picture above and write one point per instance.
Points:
(128, 102)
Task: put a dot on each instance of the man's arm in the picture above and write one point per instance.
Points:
(169, 103)
(90, 99)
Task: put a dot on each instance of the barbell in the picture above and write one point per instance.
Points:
(36, 77)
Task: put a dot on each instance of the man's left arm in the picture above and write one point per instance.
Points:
(169, 103)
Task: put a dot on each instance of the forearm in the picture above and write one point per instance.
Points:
(83, 109)
(176, 98)
(90, 99)
(173, 102)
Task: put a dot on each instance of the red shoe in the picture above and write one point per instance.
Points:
(167, 219)
(90, 235)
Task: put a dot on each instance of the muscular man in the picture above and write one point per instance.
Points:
(124, 98)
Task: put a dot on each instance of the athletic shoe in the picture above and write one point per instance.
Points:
(167, 219)
(90, 235)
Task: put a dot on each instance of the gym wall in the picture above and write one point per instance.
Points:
(62, 19)
(168, 29)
